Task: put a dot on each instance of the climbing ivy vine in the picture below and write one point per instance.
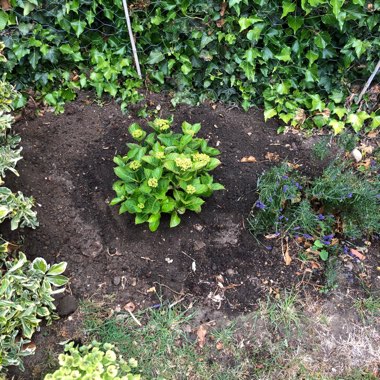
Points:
(304, 61)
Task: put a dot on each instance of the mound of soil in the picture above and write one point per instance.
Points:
(68, 168)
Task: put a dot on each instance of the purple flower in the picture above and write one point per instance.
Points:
(296, 228)
(345, 249)
(285, 177)
(281, 217)
(326, 242)
(296, 236)
(349, 195)
(270, 199)
(269, 247)
(298, 186)
(328, 237)
(285, 188)
(321, 217)
(307, 236)
(260, 205)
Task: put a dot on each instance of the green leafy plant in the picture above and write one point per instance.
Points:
(340, 204)
(26, 290)
(164, 172)
(94, 361)
(297, 59)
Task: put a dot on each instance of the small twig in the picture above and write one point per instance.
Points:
(369, 81)
(168, 287)
(134, 318)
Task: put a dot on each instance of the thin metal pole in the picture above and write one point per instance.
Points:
(369, 81)
(136, 58)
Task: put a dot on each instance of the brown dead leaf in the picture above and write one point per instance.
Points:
(5, 5)
(300, 116)
(287, 257)
(248, 159)
(271, 236)
(293, 166)
(270, 156)
(201, 335)
(315, 265)
(356, 253)
(29, 347)
(220, 23)
(130, 307)
(368, 149)
(365, 163)
(151, 290)
(223, 8)
(219, 346)
(373, 134)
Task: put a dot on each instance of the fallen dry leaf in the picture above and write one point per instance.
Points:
(130, 307)
(151, 290)
(294, 166)
(356, 253)
(372, 134)
(272, 156)
(5, 5)
(287, 257)
(271, 236)
(219, 346)
(315, 265)
(248, 159)
(201, 335)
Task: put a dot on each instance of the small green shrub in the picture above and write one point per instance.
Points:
(165, 172)
(94, 362)
(341, 204)
(26, 290)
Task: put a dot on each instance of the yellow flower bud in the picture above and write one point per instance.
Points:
(134, 165)
(152, 182)
(190, 189)
(137, 133)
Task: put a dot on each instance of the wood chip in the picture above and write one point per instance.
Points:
(356, 253)
(249, 159)
(201, 335)
(287, 257)
(270, 156)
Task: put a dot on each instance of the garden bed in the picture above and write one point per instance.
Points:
(68, 168)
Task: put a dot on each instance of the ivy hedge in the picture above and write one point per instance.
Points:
(303, 61)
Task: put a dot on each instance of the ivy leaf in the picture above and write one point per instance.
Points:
(311, 56)
(375, 121)
(78, 27)
(247, 22)
(3, 19)
(295, 22)
(284, 54)
(357, 120)
(336, 6)
(186, 68)
(287, 7)
(269, 113)
(155, 56)
(338, 126)
(340, 111)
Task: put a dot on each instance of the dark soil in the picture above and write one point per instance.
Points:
(68, 168)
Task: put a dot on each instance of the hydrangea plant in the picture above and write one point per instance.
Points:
(93, 362)
(164, 172)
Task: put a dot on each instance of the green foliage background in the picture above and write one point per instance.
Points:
(297, 58)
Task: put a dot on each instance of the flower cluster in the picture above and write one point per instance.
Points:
(162, 124)
(159, 155)
(184, 163)
(137, 133)
(152, 182)
(201, 157)
(134, 165)
(190, 189)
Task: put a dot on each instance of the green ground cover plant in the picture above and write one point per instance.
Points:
(164, 172)
(94, 361)
(304, 62)
(325, 212)
(26, 290)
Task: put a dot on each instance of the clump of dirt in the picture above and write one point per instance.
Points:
(68, 168)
